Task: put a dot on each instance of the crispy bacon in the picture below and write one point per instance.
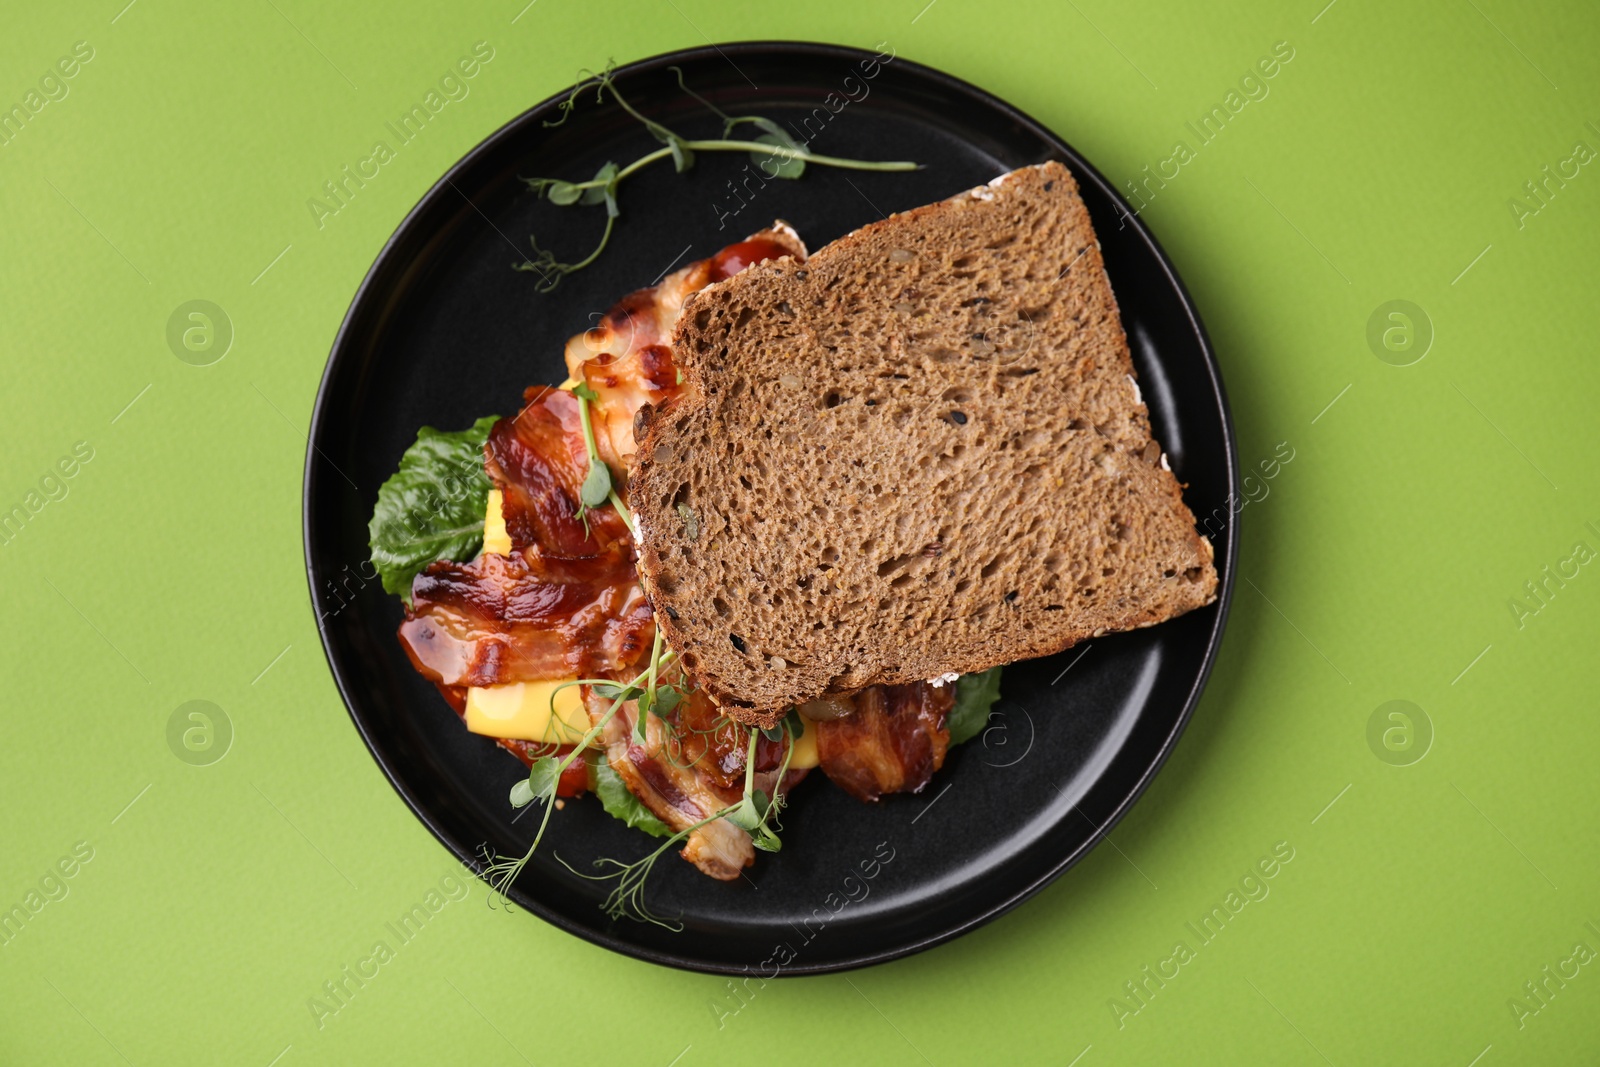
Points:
(527, 618)
(705, 738)
(893, 743)
(538, 461)
(681, 792)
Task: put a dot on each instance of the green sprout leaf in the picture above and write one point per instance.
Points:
(563, 193)
(597, 486)
(543, 777)
(619, 801)
(668, 697)
(779, 166)
(598, 185)
(975, 696)
(432, 507)
(745, 815)
(682, 155)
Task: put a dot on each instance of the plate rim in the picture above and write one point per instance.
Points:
(1228, 562)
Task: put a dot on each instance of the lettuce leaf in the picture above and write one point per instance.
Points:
(975, 695)
(432, 507)
(617, 800)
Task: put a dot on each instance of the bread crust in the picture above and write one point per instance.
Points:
(921, 452)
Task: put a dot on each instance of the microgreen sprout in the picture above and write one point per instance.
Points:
(755, 813)
(778, 153)
(546, 772)
(597, 487)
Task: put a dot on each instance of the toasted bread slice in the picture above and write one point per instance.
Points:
(921, 453)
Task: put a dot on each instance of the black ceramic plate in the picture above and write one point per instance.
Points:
(444, 331)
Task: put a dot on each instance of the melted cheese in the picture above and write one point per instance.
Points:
(521, 711)
(804, 756)
(495, 538)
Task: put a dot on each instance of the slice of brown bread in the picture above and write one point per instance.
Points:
(921, 452)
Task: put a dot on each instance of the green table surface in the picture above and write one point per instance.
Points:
(1430, 541)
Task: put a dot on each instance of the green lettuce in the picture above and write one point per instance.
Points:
(975, 695)
(432, 507)
(617, 800)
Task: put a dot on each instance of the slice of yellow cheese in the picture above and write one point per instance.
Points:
(495, 538)
(521, 711)
(804, 755)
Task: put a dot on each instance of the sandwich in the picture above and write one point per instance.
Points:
(793, 513)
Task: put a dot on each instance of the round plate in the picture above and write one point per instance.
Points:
(443, 331)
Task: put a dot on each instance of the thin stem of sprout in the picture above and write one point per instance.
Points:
(504, 871)
(805, 157)
(622, 509)
(724, 145)
(605, 236)
(587, 420)
(655, 653)
(626, 899)
(750, 766)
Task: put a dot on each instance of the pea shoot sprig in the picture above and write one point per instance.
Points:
(774, 150)
(755, 813)
(597, 486)
(545, 773)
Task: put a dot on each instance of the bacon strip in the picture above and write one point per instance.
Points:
(677, 795)
(527, 618)
(538, 461)
(893, 743)
(682, 785)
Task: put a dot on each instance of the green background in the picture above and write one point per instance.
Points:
(1380, 565)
